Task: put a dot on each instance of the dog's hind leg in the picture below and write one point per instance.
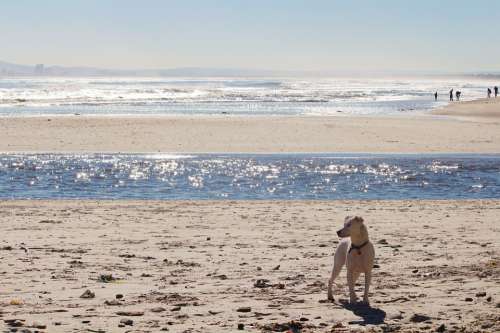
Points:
(335, 273)
(339, 260)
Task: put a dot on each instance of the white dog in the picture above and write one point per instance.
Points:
(359, 254)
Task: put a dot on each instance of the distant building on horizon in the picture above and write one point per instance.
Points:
(39, 69)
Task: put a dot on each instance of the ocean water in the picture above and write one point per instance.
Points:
(239, 96)
(260, 177)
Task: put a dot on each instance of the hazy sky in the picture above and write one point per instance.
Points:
(460, 35)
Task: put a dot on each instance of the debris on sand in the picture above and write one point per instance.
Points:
(106, 278)
(291, 326)
(130, 313)
(16, 301)
(262, 283)
(14, 322)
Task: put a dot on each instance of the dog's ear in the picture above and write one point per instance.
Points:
(363, 231)
(360, 219)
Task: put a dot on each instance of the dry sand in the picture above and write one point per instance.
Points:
(189, 266)
(487, 110)
(221, 134)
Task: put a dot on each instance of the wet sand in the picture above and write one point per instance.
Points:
(195, 266)
(459, 128)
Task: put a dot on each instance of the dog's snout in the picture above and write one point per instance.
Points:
(339, 232)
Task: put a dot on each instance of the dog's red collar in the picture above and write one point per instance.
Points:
(357, 247)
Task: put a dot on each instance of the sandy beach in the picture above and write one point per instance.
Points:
(487, 109)
(455, 129)
(211, 266)
(201, 266)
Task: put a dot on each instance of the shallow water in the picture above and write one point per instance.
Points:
(241, 96)
(209, 176)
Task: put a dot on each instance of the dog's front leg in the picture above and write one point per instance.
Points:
(351, 281)
(368, 278)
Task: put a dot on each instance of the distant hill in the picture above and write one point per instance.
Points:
(10, 69)
(13, 69)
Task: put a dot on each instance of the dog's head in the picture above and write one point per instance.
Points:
(353, 225)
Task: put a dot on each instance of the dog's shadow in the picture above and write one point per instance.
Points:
(371, 316)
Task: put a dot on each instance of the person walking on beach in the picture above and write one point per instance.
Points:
(436, 96)
(458, 93)
(451, 95)
(496, 91)
(489, 93)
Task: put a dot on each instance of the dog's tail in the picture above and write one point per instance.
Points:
(340, 256)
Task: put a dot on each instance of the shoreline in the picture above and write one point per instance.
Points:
(185, 265)
(181, 155)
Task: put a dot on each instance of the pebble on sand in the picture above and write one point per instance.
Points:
(244, 309)
(126, 321)
(418, 318)
(87, 294)
(441, 328)
(158, 309)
